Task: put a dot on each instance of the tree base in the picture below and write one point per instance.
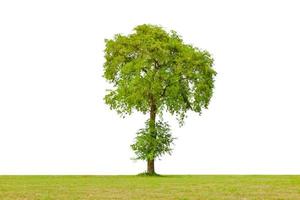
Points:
(148, 174)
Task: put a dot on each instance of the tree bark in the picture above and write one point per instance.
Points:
(150, 162)
(150, 167)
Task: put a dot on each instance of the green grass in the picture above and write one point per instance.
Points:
(141, 187)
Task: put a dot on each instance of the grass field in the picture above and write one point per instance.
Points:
(139, 188)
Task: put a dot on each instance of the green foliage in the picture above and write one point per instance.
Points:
(154, 64)
(153, 144)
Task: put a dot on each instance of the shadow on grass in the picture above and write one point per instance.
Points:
(146, 174)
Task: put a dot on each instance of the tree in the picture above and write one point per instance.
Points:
(153, 71)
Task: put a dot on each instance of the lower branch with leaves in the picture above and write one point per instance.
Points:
(152, 144)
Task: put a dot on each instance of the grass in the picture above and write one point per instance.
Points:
(142, 188)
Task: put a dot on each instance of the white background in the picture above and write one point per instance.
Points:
(53, 119)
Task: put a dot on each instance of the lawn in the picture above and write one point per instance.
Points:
(137, 187)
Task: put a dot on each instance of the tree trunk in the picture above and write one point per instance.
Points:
(150, 162)
(150, 167)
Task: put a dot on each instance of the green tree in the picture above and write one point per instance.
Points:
(153, 71)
